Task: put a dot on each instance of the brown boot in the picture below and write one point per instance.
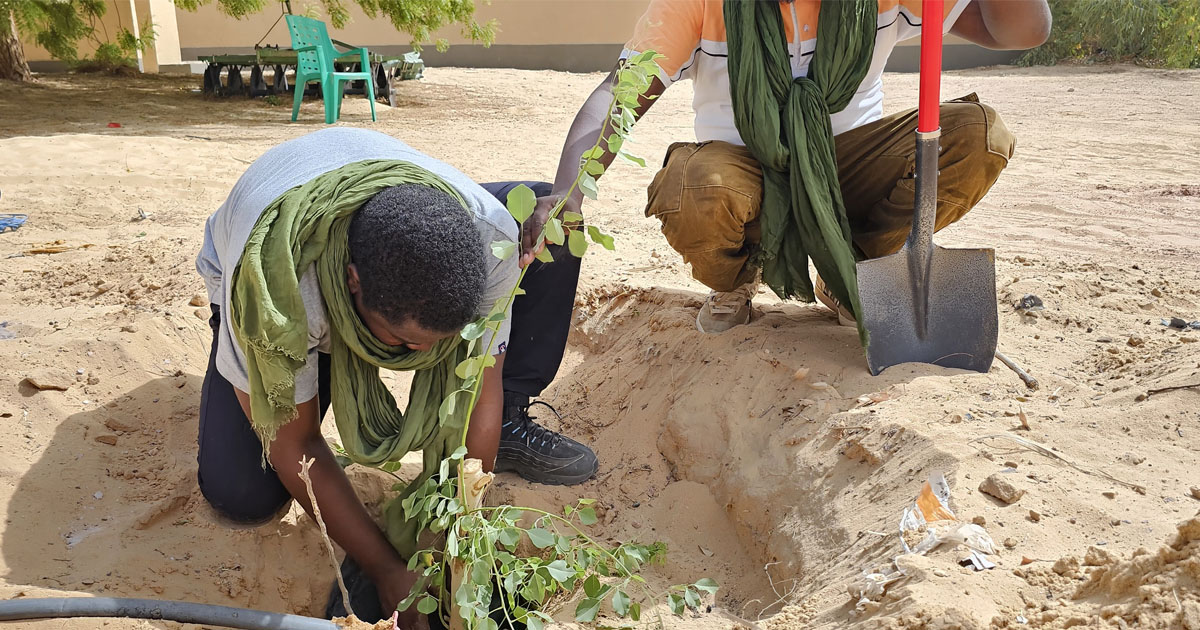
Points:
(845, 318)
(725, 309)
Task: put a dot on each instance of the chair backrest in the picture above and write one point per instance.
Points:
(309, 32)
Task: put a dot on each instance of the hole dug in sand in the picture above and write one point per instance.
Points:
(754, 472)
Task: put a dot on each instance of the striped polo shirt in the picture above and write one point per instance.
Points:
(691, 33)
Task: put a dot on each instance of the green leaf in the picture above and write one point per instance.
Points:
(487, 623)
(554, 231)
(459, 453)
(614, 143)
(587, 609)
(541, 538)
(594, 153)
(632, 159)
(591, 586)
(510, 536)
(535, 589)
(562, 545)
(600, 238)
(572, 217)
(503, 249)
(427, 605)
(587, 184)
(620, 603)
(676, 602)
(545, 255)
(592, 167)
(481, 574)
(577, 243)
(708, 585)
(635, 611)
(451, 540)
(691, 597)
(587, 516)
(587, 501)
(521, 202)
(560, 571)
(447, 408)
(533, 622)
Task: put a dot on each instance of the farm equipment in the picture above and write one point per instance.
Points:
(270, 66)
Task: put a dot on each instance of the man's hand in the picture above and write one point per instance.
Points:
(393, 586)
(531, 229)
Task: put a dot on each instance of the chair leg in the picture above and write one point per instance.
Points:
(371, 95)
(338, 90)
(299, 89)
(329, 93)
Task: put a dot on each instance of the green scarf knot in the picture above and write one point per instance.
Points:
(785, 124)
(309, 224)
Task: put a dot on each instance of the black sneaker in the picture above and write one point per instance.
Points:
(537, 453)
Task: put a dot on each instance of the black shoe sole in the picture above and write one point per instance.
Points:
(545, 479)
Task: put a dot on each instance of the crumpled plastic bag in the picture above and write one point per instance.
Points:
(930, 523)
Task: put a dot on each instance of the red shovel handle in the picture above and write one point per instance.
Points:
(931, 65)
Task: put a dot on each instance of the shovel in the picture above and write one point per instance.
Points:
(925, 303)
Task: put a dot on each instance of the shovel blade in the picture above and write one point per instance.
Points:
(960, 324)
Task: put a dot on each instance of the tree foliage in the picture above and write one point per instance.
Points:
(60, 26)
(1152, 32)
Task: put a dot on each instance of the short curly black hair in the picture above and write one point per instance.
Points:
(419, 257)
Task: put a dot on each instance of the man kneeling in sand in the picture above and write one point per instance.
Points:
(336, 254)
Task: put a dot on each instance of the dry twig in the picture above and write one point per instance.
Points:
(1042, 450)
(1030, 382)
(305, 464)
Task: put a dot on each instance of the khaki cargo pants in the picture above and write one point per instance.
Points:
(707, 195)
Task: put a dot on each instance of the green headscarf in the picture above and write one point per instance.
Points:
(306, 225)
(785, 124)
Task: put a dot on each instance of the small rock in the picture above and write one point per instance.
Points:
(93, 379)
(80, 371)
(1034, 516)
(1010, 543)
(997, 486)
(110, 440)
(203, 313)
(1030, 302)
(43, 380)
(87, 582)
(1156, 292)
(1070, 89)
(1136, 342)
(1109, 494)
(198, 300)
(1114, 522)
(116, 425)
(1132, 458)
(1196, 492)
(940, 573)
(98, 495)
(979, 520)
(1010, 464)
(1187, 340)
(129, 328)
(1104, 340)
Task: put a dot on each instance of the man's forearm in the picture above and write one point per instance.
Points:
(585, 131)
(483, 436)
(347, 520)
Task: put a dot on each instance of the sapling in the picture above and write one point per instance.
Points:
(478, 574)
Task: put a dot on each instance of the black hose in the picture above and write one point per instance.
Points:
(183, 612)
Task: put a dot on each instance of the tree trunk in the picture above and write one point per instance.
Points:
(12, 56)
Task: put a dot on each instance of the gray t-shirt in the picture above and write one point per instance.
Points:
(294, 163)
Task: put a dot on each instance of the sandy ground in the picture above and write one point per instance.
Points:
(782, 489)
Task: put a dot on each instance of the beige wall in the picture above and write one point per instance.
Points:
(121, 14)
(522, 22)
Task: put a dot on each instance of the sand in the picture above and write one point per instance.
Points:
(783, 489)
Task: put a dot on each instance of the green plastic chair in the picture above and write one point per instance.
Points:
(315, 55)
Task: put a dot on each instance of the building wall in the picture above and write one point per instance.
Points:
(570, 35)
(127, 14)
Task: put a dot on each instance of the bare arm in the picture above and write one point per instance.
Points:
(483, 436)
(347, 520)
(584, 132)
(1005, 24)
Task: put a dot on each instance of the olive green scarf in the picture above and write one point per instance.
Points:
(306, 225)
(785, 124)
